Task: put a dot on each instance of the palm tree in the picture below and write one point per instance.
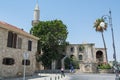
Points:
(101, 26)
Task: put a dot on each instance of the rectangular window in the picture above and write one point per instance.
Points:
(25, 62)
(12, 39)
(19, 44)
(29, 45)
(8, 61)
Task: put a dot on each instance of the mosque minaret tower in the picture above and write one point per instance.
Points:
(36, 15)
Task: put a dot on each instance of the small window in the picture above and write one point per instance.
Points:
(80, 57)
(8, 61)
(26, 62)
(72, 49)
(14, 40)
(29, 45)
(19, 45)
(81, 48)
(10, 39)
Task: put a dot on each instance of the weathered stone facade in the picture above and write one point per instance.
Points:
(15, 53)
(87, 55)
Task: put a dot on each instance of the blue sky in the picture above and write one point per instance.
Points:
(78, 15)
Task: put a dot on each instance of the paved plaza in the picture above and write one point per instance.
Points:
(69, 76)
(86, 76)
(40, 76)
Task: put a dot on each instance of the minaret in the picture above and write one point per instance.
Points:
(36, 15)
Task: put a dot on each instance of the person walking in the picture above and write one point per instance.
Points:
(71, 68)
(62, 71)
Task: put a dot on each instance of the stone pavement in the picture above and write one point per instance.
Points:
(91, 76)
(68, 76)
(40, 76)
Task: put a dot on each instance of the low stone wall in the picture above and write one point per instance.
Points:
(52, 71)
(105, 70)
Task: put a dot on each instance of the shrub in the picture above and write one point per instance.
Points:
(104, 66)
(69, 61)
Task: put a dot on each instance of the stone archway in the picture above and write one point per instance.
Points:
(99, 57)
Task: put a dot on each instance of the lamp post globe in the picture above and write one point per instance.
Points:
(102, 24)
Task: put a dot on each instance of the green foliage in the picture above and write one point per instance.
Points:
(52, 36)
(81, 48)
(67, 63)
(72, 61)
(97, 25)
(98, 21)
(104, 66)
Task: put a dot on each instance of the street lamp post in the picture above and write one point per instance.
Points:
(114, 53)
(25, 56)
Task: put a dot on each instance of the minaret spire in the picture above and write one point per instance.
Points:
(36, 14)
(37, 1)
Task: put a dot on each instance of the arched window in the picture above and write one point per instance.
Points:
(8, 61)
(99, 56)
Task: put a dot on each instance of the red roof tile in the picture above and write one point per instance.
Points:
(16, 29)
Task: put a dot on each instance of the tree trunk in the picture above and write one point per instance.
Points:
(104, 47)
(53, 65)
(62, 62)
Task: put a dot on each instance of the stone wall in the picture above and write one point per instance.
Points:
(88, 62)
(17, 55)
(104, 54)
(88, 67)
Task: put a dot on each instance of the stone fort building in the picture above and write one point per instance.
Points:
(87, 55)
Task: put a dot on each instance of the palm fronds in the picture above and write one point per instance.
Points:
(97, 25)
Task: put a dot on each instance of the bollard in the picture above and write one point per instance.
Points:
(58, 77)
(64, 75)
(55, 78)
(61, 76)
(50, 78)
(44, 78)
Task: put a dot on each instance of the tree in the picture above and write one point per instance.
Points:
(67, 63)
(71, 61)
(52, 36)
(74, 62)
(101, 26)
